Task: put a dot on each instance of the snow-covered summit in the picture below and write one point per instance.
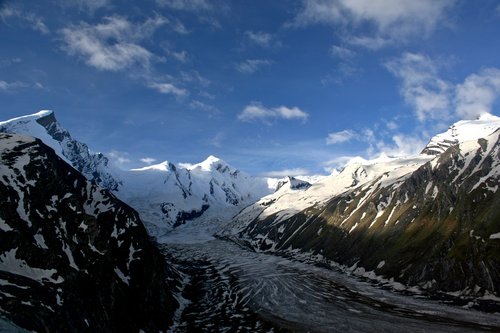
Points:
(462, 131)
(44, 126)
(211, 163)
(27, 118)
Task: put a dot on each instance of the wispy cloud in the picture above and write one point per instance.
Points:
(195, 104)
(378, 147)
(250, 66)
(434, 98)
(116, 44)
(168, 89)
(392, 21)
(477, 93)
(11, 87)
(256, 111)
(34, 21)
(195, 77)
(400, 145)
(341, 137)
(119, 158)
(341, 52)
(422, 88)
(287, 172)
(262, 39)
(181, 56)
(148, 160)
(217, 140)
(112, 45)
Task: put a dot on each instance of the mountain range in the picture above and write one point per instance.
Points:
(429, 221)
(166, 195)
(426, 223)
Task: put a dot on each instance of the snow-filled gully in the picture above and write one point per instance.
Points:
(233, 289)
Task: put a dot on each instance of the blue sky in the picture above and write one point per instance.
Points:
(272, 87)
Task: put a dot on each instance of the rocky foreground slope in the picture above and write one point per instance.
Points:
(429, 221)
(73, 258)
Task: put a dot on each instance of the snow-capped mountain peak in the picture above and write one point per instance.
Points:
(211, 163)
(163, 166)
(44, 126)
(36, 125)
(462, 131)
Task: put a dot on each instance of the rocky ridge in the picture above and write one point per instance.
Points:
(74, 258)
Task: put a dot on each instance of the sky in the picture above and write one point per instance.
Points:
(273, 88)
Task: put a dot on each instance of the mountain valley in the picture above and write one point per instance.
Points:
(383, 243)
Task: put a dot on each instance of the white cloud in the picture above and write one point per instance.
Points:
(398, 145)
(391, 20)
(112, 45)
(34, 21)
(195, 104)
(260, 38)
(148, 160)
(195, 77)
(120, 159)
(401, 145)
(287, 172)
(290, 113)
(256, 111)
(392, 125)
(372, 43)
(477, 93)
(422, 88)
(9, 87)
(250, 66)
(342, 52)
(168, 88)
(340, 137)
(434, 98)
(181, 56)
(216, 141)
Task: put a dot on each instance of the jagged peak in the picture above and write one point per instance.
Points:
(292, 183)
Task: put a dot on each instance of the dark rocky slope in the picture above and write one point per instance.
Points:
(73, 258)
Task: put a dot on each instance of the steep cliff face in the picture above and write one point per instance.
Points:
(436, 226)
(73, 258)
